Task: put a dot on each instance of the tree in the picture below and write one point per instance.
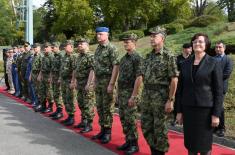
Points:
(230, 7)
(199, 7)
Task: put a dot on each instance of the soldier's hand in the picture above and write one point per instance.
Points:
(39, 78)
(179, 118)
(131, 102)
(110, 88)
(59, 81)
(72, 85)
(214, 121)
(169, 106)
(87, 87)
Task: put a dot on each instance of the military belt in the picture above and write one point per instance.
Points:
(154, 86)
(102, 76)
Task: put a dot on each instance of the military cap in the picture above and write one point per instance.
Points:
(158, 30)
(46, 44)
(102, 29)
(35, 45)
(69, 42)
(26, 44)
(80, 40)
(56, 44)
(131, 36)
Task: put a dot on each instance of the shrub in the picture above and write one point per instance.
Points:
(139, 33)
(203, 21)
(173, 28)
(184, 22)
(1, 66)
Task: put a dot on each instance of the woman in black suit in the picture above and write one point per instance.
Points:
(199, 97)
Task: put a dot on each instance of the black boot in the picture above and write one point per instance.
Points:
(87, 127)
(80, 125)
(107, 136)
(69, 121)
(133, 148)
(58, 115)
(48, 109)
(156, 152)
(206, 153)
(99, 135)
(124, 146)
(37, 108)
(54, 113)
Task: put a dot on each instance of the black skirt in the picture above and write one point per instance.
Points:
(198, 133)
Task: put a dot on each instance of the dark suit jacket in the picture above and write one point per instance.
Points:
(205, 89)
(227, 68)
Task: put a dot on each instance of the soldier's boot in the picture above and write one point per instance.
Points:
(87, 127)
(133, 148)
(107, 136)
(43, 107)
(156, 152)
(49, 108)
(124, 146)
(99, 135)
(80, 125)
(205, 153)
(70, 121)
(59, 114)
(54, 113)
(37, 108)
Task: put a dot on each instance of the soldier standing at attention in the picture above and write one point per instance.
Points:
(83, 78)
(44, 77)
(18, 63)
(66, 71)
(129, 82)
(106, 72)
(56, 87)
(160, 78)
(36, 65)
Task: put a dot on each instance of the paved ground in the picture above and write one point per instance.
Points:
(22, 132)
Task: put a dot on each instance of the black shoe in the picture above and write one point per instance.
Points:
(69, 121)
(156, 152)
(47, 110)
(86, 129)
(80, 125)
(58, 116)
(107, 136)
(38, 108)
(131, 150)
(99, 135)
(124, 146)
(53, 114)
(220, 133)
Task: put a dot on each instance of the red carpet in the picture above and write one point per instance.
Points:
(176, 139)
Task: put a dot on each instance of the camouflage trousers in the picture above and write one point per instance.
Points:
(105, 103)
(24, 83)
(153, 120)
(86, 103)
(46, 92)
(37, 85)
(68, 96)
(128, 115)
(57, 94)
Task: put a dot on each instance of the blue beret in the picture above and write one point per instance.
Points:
(102, 29)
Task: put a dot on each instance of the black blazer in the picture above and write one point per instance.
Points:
(207, 88)
(227, 67)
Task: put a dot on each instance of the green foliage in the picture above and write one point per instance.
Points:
(60, 37)
(173, 28)
(139, 33)
(204, 20)
(184, 22)
(1, 66)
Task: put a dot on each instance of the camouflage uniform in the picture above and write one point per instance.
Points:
(84, 64)
(129, 70)
(68, 95)
(158, 69)
(46, 86)
(56, 87)
(106, 56)
(34, 73)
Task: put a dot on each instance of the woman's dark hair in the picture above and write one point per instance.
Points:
(206, 38)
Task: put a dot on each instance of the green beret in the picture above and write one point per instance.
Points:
(56, 44)
(35, 45)
(157, 30)
(26, 44)
(131, 36)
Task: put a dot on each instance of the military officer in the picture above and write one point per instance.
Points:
(106, 72)
(129, 82)
(84, 77)
(160, 77)
(66, 71)
(56, 87)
